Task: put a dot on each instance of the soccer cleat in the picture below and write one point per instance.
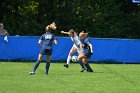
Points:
(83, 69)
(31, 73)
(90, 70)
(66, 65)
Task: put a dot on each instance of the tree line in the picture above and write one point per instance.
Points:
(100, 18)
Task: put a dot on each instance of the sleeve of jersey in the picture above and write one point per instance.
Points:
(79, 41)
(41, 38)
(54, 38)
(87, 40)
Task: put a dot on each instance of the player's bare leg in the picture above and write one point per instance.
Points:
(84, 60)
(72, 51)
(81, 58)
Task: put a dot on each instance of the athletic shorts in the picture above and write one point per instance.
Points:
(76, 48)
(87, 53)
(46, 51)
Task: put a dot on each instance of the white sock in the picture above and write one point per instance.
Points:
(68, 59)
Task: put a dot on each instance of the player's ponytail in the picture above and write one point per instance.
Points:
(51, 27)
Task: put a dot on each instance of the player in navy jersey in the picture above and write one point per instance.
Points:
(86, 43)
(87, 51)
(45, 42)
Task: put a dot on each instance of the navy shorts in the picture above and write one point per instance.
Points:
(87, 53)
(46, 51)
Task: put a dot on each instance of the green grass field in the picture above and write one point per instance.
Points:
(107, 78)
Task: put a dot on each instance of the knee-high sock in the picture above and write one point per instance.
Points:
(68, 59)
(36, 65)
(47, 67)
(81, 63)
(88, 67)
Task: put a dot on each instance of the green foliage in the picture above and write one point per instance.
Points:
(100, 18)
(31, 7)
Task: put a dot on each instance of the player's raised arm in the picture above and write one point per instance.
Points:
(84, 32)
(67, 33)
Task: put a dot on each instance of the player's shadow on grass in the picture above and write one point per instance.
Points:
(70, 74)
(81, 73)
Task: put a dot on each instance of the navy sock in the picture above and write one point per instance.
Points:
(36, 65)
(88, 67)
(81, 63)
(47, 67)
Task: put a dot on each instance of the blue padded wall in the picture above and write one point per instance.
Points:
(105, 49)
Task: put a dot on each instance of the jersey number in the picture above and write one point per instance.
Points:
(48, 36)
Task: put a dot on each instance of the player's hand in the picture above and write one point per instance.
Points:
(40, 45)
(62, 32)
(91, 53)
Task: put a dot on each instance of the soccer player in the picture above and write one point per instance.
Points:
(87, 51)
(46, 42)
(86, 43)
(77, 46)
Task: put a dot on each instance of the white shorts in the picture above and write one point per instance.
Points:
(74, 46)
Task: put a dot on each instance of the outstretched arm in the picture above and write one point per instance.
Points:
(63, 32)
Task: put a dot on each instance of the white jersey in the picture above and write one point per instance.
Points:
(77, 42)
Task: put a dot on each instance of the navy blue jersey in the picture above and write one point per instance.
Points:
(47, 40)
(85, 42)
(86, 48)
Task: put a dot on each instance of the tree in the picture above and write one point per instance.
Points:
(100, 18)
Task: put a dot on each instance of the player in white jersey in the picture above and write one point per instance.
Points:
(77, 46)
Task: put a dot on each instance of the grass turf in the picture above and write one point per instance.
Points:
(107, 78)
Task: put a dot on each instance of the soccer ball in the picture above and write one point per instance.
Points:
(74, 58)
